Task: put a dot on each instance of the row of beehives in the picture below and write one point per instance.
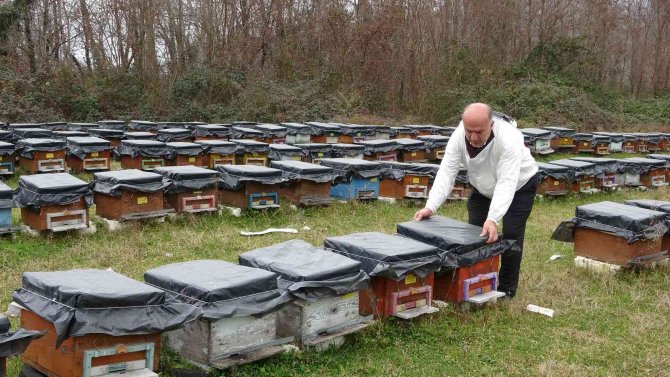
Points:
(88, 153)
(60, 201)
(590, 174)
(547, 140)
(219, 314)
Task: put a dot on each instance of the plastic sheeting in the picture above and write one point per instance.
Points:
(115, 182)
(398, 170)
(555, 171)
(614, 137)
(629, 222)
(296, 128)
(26, 147)
(410, 145)
(532, 134)
(143, 125)
(603, 165)
(237, 132)
(181, 148)
(271, 130)
(220, 289)
(378, 146)
(51, 189)
(188, 178)
(251, 146)
(106, 133)
(583, 137)
(298, 170)
(174, 134)
(319, 150)
(15, 342)
(356, 130)
(577, 169)
(80, 146)
(663, 157)
(637, 165)
(80, 302)
(64, 135)
(55, 126)
(232, 177)
(216, 130)
(630, 137)
(144, 148)
(6, 148)
(600, 139)
(81, 126)
(560, 131)
(434, 141)
(309, 272)
(7, 136)
(319, 128)
(460, 243)
(387, 256)
(653, 138)
(403, 130)
(33, 133)
(219, 146)
(277, 151)
(139, 135)
(346, 168)
(6, 196)
(113, 124)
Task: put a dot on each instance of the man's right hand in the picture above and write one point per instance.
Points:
(423, 214)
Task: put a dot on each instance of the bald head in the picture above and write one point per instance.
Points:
(478, 122)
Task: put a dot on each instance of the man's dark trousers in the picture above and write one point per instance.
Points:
(514, 228)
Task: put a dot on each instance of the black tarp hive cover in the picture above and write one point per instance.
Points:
(220, 289)
(6, 196)
(383, 129)
(63, 135)
(217, 130)
(378, 146)
(561, 131)
(663, 157)
(346, 150)
(187, 178)
(115, 182)
(308, 272)
(219, 146)
(398, 170)
(183, 148)
(243, 123)
(603, 165)
(555, 171)
(80, 302)
(614, 137)
(410, 145)
(296, 128)
(26, 147)
(81, 126)
(356, 130)
(51, 189)
(637, 165)
(346, 168)
(237, 132)
(174, 134)
(55, 126)
(630, 222)
(143, 148)
(144, 125)
(6, 148)
(656, 205)
(232, 177)
(271, 129)
(251, 146)
(139, 135)
(15, 342)
(653, 138)
(460, 243)
(298, 170)
(112, 124)
(577, 169)
(434, 141)
(106, 133)
(387, 256)
(320, 128)
(532, 134)
(33, 133)
(80, 146)
(419, 127)
(277, 151)
(583, 137)
(6, 136)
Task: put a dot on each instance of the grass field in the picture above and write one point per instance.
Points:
(604, 326)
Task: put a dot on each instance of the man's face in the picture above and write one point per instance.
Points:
(478, 131)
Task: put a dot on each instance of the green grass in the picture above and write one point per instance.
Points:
(604, 326)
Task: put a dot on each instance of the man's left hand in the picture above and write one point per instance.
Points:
(490, 231)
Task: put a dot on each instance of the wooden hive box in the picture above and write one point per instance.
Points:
(315, 152)
(186, 153)
(249, 186)
(401, 180)
(114, 136)
(383, 132)
(581, 175)
(246, 133)
(129, 195)
(601, 144)
(42, 155)
(143, 154)
(411, 150)
(401, 272)
(654, 141)
(664, 146)
(666, 158)
(218, 152)
(88, 154)
(55, 202)
(538, 140)
(652, 172)
(285, 152)
(325, 285)
(380, 150)
(239, 304)
(110, 330)
(564, 137)
(272, 133)
(7, 158)
(554, 181)
(616, 141)
(629, 239)
(436, 146)
(172, 135)
(403, 133)
(420, 129)
(354, 133)
(462, 188)
(252, 152)
(583, 143)
(192, 190)
(212, 132)
(470, 271)
(356, 179)
(324, 133)
(606, 170)
(655, 205)
(307, 184)
(13, 343)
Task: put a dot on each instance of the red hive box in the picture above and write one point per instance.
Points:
(606, 170)
(563, 137)
(410, 150)
(401, 270)
(583, 143)
(192, 189)
(272, 133)
(42, 155)
(252, 152)
(55, 202)
(380, 150)
(249, 186)
(354, 133)
(143, 154)
(402, 180)
(88, 154)
(184, 153)
(655, 205)
(601, 145)
(218, 152)
(666, 158)
(212, 132)
(554, 180)
(308, 184)
(652, 172)
(129, 195)
(581, 175)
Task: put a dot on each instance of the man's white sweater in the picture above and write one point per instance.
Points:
(497, 172)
